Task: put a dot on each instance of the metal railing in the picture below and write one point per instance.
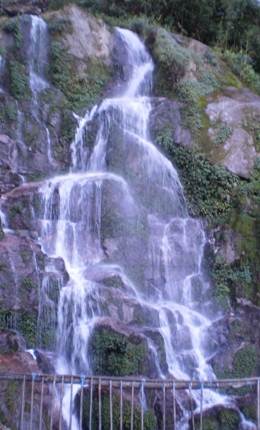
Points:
(57, 402)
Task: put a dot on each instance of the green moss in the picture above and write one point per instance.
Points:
(10, 397)
(81, 90)
(193, 94)
(11, 111)
(171, 58)
(244, 220)
(229, 419)
(22, 321)
(68, 126)
(250, 411)
(8, 114)
(244, 365)
(225, 419)
(208, 188)
(210, 424)
(12, 26)
(28, 327)
(223, 134)
(232, 280)
(114, 354)
(19, 86)
(245, 362)
(149, 417)
(28, 284)
(59, 25)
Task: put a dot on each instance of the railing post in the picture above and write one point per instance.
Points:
(41, 404)
(132, 406)
(32, 399)
(164, 408)
(111, 404)
(174, 405)
(82, 380)
(201, 406)
(99, 404)
(22, 405)
(121, 405)
(90, 403)
(71, 402)
(258, 404)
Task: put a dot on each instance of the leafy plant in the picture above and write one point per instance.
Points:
(209, 188)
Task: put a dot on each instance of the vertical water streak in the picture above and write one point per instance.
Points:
(38, 54)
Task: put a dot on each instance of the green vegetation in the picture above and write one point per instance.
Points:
(241, 65)
(28, 284)
(59, 25)
(82, 90)
(209, 188)
(171, 58)
(12, 26)
(149, 417)
(223, 134)
(245, 362)
(22, 321)
(115, 354)
(232, 24)
(232, 280)
(19, 86)
(225, 419)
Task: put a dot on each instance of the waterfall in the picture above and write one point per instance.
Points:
(38, 54)
(126, 176)
(38, 61)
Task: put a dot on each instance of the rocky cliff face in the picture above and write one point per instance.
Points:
(203, 118)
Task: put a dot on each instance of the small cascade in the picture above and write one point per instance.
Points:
(47, 310)
(38, 54)
(38, 61)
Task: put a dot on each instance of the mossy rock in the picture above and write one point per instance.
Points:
(18, 80)
(113, 353)
(23, 321)
(149, 417)
(209, 188)
(245, 362)
(225, 419)
(84, 89)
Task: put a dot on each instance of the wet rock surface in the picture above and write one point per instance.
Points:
(238, 112)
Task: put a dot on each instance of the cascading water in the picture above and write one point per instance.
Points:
(162, 270)
(38, 54)
(38, 62)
